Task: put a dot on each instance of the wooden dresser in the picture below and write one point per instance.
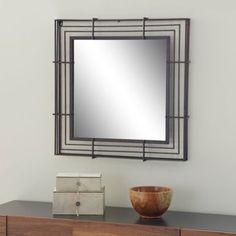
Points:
(25, 218)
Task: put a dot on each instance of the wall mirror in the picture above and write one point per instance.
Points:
(121, 88)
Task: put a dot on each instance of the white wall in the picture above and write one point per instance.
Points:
(206, 183)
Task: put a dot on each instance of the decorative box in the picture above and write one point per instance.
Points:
(78, 194)
(73, 182)
(81, 203)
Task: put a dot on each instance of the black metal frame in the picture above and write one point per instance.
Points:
(175, 146)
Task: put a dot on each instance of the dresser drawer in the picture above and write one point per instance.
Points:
(2, 226)
(193, 232)
(27, 226)
(109, 229)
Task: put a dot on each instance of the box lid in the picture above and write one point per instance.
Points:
(78, 175)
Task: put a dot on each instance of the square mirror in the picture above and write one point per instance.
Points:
(121, 88)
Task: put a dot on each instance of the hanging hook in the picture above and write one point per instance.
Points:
(144, 157)
(144, 25)
(93, 148)
(93, 24)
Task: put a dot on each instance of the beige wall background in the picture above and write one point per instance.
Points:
(205, 183)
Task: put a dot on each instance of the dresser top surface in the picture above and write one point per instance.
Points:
(175, 219)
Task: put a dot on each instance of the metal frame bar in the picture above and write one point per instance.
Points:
(72, 100)
(167, 97)
(65, 67)
(60, 115)
(125, 20)
(186, 85)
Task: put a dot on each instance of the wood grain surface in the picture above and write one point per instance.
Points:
(26, 226)
(109, 229)
(2, 226)
(195, 232)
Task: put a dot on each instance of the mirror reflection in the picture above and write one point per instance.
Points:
(120, 89)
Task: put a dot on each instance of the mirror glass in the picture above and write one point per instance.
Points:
(120, 88)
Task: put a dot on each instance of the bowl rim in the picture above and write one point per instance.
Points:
(167, 189)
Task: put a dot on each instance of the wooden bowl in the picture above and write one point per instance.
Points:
(150, 201)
